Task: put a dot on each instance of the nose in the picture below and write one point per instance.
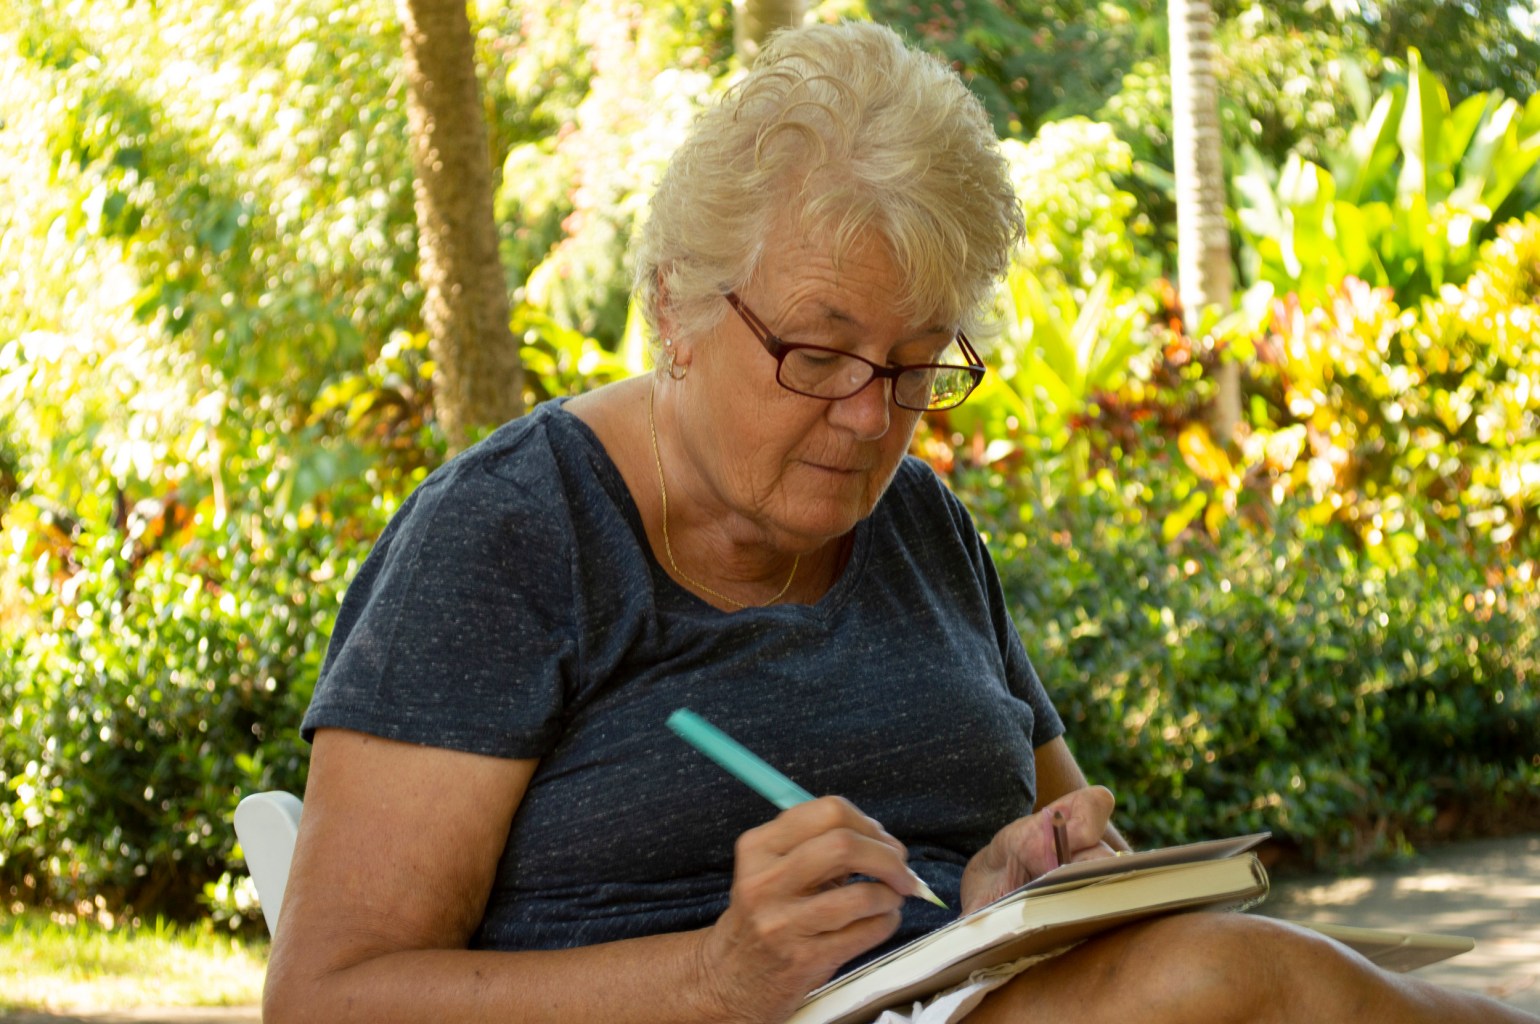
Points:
(865, 413)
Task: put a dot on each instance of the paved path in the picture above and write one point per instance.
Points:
(1488, 889)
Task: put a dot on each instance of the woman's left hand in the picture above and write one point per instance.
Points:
(1024, 849)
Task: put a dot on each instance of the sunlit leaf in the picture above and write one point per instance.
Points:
(1175, 522)
(1206, 458)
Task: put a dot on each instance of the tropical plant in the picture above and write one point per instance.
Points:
(1413, 426)
(1406, 204)
(1058, 358)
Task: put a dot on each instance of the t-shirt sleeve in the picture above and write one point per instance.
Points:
(457, 631)
(1020, 675)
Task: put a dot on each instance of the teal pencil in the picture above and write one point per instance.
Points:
(751, 770)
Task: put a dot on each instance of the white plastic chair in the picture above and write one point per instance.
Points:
(267, 825)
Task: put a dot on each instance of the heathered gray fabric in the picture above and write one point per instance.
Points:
(514, 608)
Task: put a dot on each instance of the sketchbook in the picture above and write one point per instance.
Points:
(1076, 901)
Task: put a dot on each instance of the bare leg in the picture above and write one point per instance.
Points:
(1222, 968)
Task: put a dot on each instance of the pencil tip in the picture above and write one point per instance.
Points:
(925, 893)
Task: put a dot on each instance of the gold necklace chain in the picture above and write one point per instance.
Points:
(668, 547)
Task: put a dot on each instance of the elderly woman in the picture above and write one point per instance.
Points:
(498, 826)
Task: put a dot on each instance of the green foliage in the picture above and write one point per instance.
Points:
(1481, 44)
(206, 419)
(1081, 223)
(1280, 89)
(251, 182)
(219, 389)
(1420, 422)
(1060, 358)
(168, 682)
(1225, 689)
(602, 92)
(1073, 328)
(1409, 200)
(1033, 63)
(560, 362)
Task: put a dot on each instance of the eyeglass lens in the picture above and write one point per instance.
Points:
(831, 375)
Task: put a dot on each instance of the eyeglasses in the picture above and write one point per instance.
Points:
(830, 374)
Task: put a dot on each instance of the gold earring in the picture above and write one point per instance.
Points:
(675, 371)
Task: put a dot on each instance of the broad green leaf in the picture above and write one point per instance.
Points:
(1372, 148)
(1421, 134)
(1463, 122)
(1488, 144)
(1309, 250)
(1045, 382)
(1352, 238)
(1517, 155)
(1255, 187)
(1051, 336)
(1088, 333)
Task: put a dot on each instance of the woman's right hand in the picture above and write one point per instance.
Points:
(792, 919)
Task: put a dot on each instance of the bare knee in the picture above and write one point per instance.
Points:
(1203, 968)
(1206, 967)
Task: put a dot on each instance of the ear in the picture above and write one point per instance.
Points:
(665, 323)
(678, 348)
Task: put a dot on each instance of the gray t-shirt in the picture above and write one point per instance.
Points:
(514, 608)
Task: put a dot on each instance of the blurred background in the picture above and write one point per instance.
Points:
(1261, 479)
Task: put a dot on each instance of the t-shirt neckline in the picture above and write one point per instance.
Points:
(614, 484)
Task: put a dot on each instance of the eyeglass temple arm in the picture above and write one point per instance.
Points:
(968, 351)
(748, 316)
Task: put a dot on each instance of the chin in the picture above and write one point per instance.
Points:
(826, 520)
(828, 505)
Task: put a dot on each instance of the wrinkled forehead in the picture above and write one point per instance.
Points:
(854, 244)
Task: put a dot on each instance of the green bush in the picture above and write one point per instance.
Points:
(166, 683)
(1277, 679)
(1081, 223)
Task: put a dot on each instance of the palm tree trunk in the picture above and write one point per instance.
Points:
(478, 382)
(1203, 238)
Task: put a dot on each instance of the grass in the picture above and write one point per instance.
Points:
(60, 963)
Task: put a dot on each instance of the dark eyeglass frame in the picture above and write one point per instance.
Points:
(779, 350)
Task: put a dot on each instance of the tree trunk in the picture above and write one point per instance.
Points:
(1203, 238)
(754, 20)
(478, 382)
